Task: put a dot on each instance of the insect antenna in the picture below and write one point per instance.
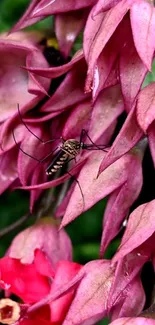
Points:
(43, 142)
(89, 146)
(27, 154)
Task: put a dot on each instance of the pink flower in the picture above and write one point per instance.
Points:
(34, 269)
(44, 235)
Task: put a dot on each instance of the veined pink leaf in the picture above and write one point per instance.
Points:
(121, 200)
(92, 293)
(143, 26)
(108, 106)
(79, 118)
(146, 107)
(104, 5)
(128, 136)
(140, 227)
(67, 27)
(151, 138)
(104, 28)
(94, 189)
(134, 302)
(50, 7)
(132, 69)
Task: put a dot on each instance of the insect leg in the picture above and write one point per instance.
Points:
(75, 179)
(34, 158)
(43, 142)
(89, 147)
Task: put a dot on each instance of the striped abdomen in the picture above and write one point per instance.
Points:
(58, 161)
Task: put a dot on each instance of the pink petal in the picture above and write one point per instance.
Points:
(120, 201)
(146, 107)
(107, 108)
(50, 7)
(132, 70)
(143, 25)
(139, 228)
(90, 301)
(45, 237)
(55, 72)
(67, 28)
(129, 135)
(104, 26)
(133, 321)
(94, 189)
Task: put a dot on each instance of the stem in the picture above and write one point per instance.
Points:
(14, 225)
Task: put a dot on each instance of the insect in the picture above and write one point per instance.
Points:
(66, 152)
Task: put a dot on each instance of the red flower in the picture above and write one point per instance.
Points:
(32, 282)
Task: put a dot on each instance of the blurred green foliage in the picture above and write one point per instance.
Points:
(85, 231)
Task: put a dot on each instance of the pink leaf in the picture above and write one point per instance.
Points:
(120, 202)
(104, 26)
(129, 135)
(67, 28)
(133, 321)
(94, 189)
(8, 169)
(92, 293)
(25, 20)
(132, 69)
(140, 227)
(79, 118)
(107, 108)
(143, 25)
(146, 107)
(70, 92)
(56, 181)
(104, 5)
(50, 7)
(55, 72)
(151, 137)
(133, 303)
